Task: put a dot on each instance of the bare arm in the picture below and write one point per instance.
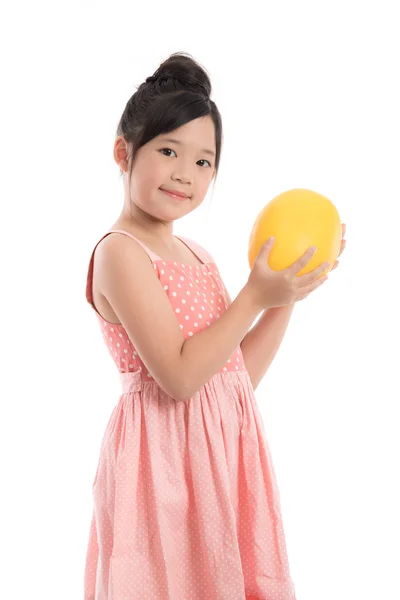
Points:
(126, 278)
(260, 344)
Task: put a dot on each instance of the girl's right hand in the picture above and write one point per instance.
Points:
(270, 288)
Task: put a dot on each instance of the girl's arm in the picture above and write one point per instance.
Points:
(126, 278)
(260, 345)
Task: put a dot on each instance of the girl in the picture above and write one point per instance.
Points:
(186, 504)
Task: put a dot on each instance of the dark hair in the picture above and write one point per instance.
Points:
(178, 92)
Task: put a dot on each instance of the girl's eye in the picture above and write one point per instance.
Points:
(207, 161)
(169, 150)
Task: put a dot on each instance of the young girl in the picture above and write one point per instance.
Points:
(186, 505)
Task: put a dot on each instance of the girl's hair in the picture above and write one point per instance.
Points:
(178, 92)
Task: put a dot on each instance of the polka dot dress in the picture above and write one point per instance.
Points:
(185, 499)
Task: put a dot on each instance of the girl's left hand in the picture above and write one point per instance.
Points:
(342, 246)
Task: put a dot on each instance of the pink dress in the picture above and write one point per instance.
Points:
(186, 503)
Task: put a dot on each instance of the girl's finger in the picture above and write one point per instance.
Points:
(335, 265)
(307, 289)
(342, 247)
(307, 278)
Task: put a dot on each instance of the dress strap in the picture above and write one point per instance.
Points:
(198, 250)
(89, 280)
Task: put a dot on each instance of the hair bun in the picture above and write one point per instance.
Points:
(181, 71)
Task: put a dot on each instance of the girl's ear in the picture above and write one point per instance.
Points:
(121, 153)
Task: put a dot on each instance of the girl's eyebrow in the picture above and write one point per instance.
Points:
(173, 141)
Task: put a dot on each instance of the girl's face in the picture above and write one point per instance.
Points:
(182, 160)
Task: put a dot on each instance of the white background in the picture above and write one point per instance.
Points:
(309, 96)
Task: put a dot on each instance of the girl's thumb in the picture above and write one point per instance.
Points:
(265, 249)
(268, 245)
